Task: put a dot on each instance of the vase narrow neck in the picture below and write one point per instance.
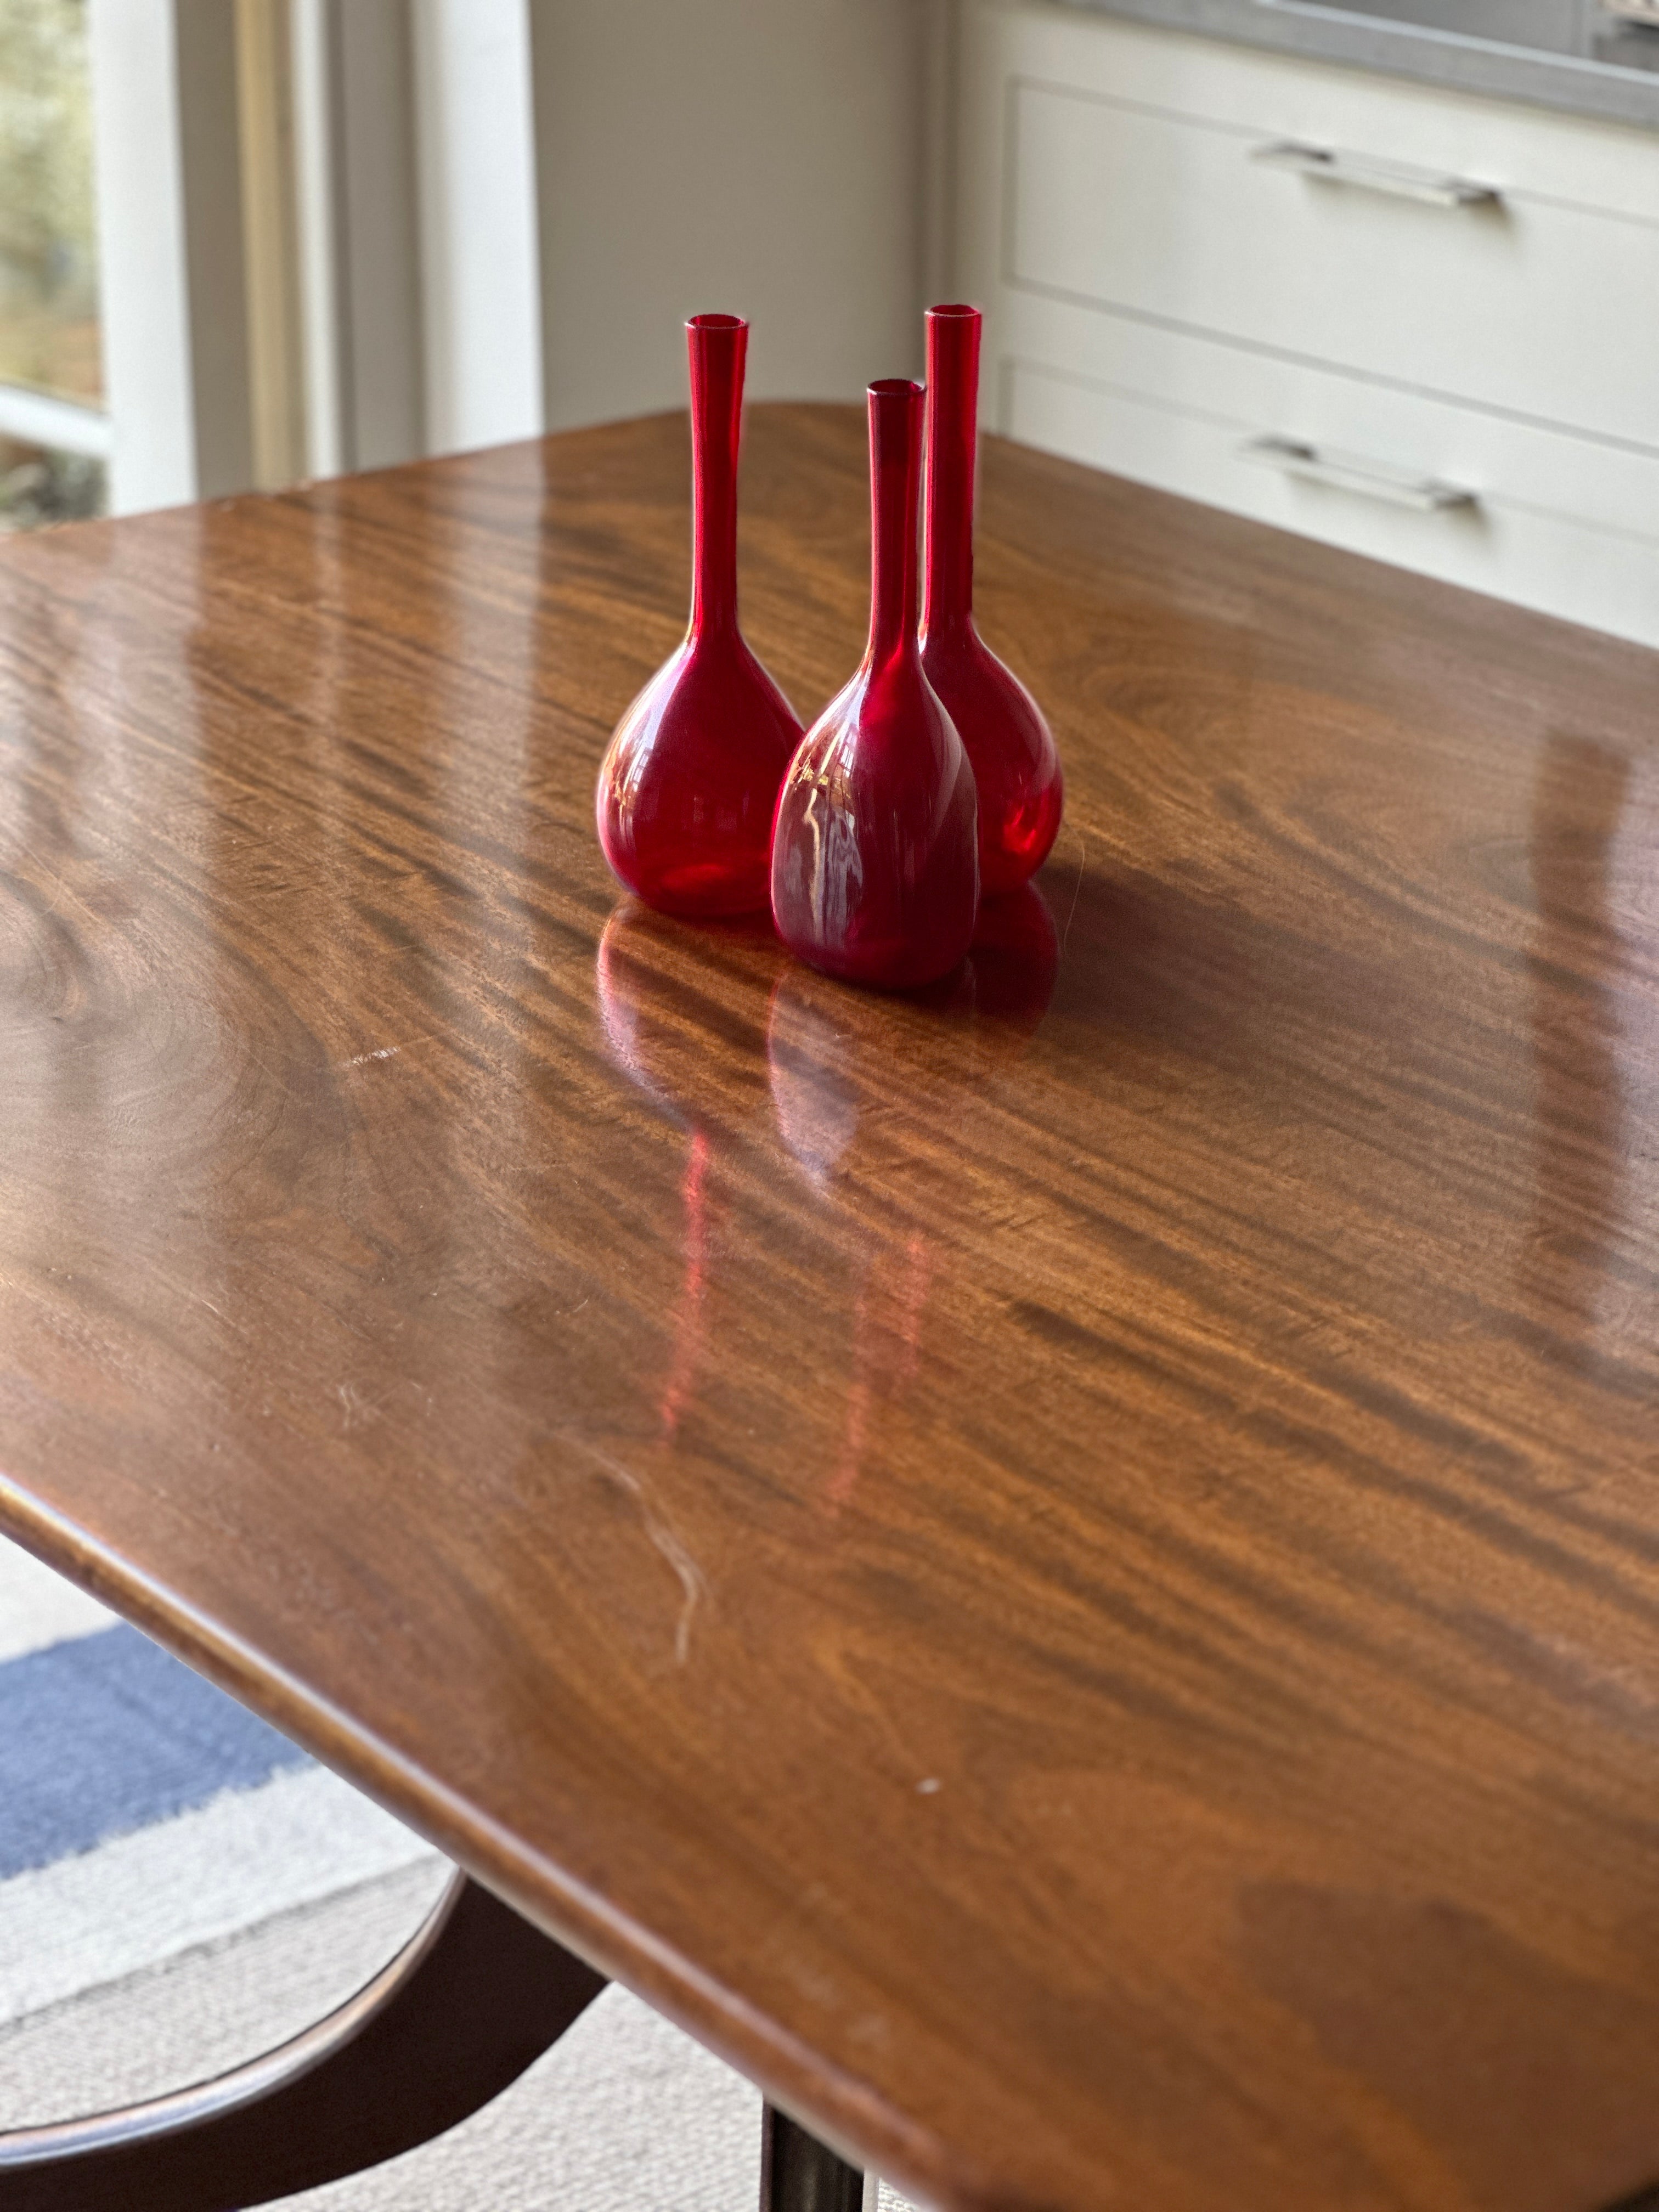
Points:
(953, 343)
(716, 346)
(895, 476)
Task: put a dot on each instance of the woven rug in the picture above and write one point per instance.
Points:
(180, 1888)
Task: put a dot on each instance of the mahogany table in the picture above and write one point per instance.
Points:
(1067, 1572)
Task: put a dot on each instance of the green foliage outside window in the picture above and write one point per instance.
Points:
(48, 263)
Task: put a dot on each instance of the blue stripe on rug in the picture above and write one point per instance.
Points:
(109, 1734)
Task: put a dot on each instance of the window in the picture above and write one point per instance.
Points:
(52, 431)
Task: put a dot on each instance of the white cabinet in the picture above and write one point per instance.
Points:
(1423, 327)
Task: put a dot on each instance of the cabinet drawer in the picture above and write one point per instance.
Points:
(1553, 521)
(1546, 310)
(1131, 178)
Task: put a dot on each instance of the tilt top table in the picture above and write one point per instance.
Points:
(1066, 1572)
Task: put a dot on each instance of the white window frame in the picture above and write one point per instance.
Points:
(413, 186)
(37, 418)
(168, 197)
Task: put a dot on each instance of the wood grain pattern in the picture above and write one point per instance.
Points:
(1066, 1572)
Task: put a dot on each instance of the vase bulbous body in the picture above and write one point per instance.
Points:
(1016, 766)
(875, 855)
(690, 781)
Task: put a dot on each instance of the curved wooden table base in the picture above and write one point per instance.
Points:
(473, 1998)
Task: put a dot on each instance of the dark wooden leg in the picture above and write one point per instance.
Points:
(461, 2012)
(800, 2174)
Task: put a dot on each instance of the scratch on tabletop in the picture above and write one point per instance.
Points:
(1077, 892)
(200, 1297)
(359, 1410)
(387, 1051)
(59, 889)
(270, 1074)
(667, 1540)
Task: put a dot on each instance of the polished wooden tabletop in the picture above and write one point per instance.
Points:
(1066, 1572)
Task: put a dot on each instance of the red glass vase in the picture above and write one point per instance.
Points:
(689, 782)
(1016, 767)
(875, 866)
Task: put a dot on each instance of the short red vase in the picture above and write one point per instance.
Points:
(875, 864)
(1016, 767)
(690, 781)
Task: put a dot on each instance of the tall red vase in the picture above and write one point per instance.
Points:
(875, 866)
(1016, 767)
(688, 783)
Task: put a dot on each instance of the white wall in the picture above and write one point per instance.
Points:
(478, 187)
(767, 158)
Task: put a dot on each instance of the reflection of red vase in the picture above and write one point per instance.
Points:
(1015, 958)
(816, 1097)
(1016, 767)
(918, 1063)
(875, 870)
(664, 1028)
(688, 785)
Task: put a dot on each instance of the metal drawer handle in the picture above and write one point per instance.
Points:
(1375, 481)
(1373, 176)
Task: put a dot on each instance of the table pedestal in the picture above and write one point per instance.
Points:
(800, 2174)
(471, 2000)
